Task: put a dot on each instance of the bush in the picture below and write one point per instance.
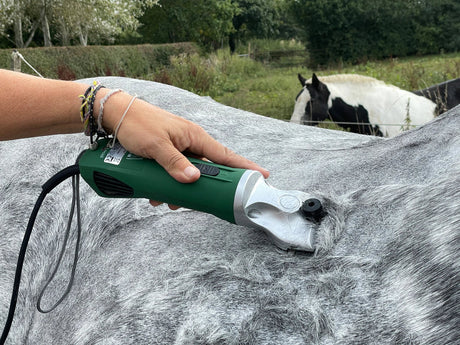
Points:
(83, 62)
(190, 72)
(210, 75)
(358, 30)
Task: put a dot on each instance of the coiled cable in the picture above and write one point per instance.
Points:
(71, 171)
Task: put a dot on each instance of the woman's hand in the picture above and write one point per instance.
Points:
(154, 133)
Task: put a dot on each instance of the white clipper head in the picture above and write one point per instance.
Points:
(288, 217)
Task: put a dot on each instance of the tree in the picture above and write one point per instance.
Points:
(208, 22)
(100, 20)
(25, 17)
(255, 19)
(355, 30)
(211, 22)
(82, 20)
(6, 16)
(437, 25)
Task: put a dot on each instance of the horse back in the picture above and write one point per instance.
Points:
(446, 95)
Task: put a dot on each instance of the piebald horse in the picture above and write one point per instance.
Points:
(360, 104)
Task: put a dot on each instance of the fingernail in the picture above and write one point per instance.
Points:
(191, 171)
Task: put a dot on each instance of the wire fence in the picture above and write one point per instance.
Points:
(18, 57)
(306, 122)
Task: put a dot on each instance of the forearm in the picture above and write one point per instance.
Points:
(31, 106)
(34, 106)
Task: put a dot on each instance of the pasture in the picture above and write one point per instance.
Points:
(269, 88)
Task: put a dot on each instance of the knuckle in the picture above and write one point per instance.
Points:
(196, 130)
(229, 155)
(149, 147)
(173, 160)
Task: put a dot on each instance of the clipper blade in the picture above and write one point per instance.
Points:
(278, 212)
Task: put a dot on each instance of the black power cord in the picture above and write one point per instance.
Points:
(71, 171)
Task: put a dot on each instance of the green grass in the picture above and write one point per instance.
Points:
(271, 94)
(264, 45)
(270, 88)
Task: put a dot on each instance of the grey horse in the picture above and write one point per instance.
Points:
(385, 269)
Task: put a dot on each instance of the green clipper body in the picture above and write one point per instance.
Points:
(238, 196)
(116, 173)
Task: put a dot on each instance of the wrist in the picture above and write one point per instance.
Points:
(108, 108)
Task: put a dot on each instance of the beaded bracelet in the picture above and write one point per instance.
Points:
(87, 110)
(87, 114)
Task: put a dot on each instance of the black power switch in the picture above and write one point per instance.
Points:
(206, 169)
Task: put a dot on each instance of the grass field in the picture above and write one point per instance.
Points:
(269, 88)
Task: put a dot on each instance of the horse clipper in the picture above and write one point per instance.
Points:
(239, 196)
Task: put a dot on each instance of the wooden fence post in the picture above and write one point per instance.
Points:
(16, 61)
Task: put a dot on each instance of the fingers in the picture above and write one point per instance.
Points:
(155, 203)
(210, 148)
(176, 164)
(155, 133)
(158, 203)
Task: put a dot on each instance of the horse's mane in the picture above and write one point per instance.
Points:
(349, 78)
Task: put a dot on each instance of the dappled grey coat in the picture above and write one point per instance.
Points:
(386, 269)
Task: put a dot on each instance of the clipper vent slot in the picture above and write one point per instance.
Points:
(112, 187)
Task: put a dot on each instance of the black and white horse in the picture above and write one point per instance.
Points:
(361, 104)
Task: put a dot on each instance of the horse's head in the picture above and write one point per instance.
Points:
(312, 103)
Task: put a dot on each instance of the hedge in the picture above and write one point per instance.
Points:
(77, 62)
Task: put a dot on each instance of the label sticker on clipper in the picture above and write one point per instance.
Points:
(115, 154)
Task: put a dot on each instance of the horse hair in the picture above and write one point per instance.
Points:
(386, 268)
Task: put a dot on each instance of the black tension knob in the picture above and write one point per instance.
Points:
(312, 209)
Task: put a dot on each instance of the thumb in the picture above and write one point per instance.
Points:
(177, 165)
